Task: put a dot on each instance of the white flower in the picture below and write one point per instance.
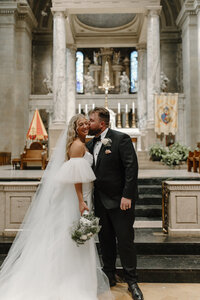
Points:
(90, 234)
(106, 142)
(83, 237)
(84, 221)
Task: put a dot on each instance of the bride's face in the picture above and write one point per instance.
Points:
(82, 127)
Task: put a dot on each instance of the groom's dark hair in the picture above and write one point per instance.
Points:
(103, 114)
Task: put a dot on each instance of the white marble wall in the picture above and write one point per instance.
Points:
(15, 76)
(42, 60)
(169, 64)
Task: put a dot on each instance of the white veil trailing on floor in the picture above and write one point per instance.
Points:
(40, 264)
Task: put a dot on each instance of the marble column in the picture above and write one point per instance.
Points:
(117, 69)
(71, 82)
(59, 68)
(153, 61)
(189, 24)
(59, 79)
(142, 87)
(16, 25)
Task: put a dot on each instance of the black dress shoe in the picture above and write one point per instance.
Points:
(135, 291)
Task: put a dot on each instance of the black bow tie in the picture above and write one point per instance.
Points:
(96, 139)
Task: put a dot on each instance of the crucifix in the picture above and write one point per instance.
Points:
(106, 84)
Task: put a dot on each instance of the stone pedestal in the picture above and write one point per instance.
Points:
(15, 198)
(181, 208)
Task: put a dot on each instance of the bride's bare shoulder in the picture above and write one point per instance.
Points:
(77, 149)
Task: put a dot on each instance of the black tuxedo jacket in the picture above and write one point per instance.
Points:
(116, 172)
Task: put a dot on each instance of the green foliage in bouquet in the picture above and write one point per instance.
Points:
(85, 228)
(156, 152)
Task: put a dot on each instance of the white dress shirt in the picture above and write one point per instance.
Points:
(98, 145)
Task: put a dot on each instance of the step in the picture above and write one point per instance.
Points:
(150, 211)
(166, 268)
(150, 189)
(148, 199)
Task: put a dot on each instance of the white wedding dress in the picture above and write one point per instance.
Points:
(44, 263)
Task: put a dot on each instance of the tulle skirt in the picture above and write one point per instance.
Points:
(50, 266)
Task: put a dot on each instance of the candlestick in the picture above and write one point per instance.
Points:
(119, 124)
(86, 109)
(126, 108)
(127, 121)
(118, 108)
(79, 108)
(133, 107)
(133, 120)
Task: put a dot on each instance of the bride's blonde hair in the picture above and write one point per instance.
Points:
(72, 132)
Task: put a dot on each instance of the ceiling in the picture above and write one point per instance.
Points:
(42, 11)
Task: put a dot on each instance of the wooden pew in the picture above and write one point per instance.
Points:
(190, 161)
(196, 160)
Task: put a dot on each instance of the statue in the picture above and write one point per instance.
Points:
(88, 84)
(116, 58)
(47, 82)
(95, 58)
(164, 80)
(124, 83)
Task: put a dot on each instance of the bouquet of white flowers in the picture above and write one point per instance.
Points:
(85, 228)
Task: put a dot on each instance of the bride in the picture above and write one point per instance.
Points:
(44, 263)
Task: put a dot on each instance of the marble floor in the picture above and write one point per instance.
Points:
(160, 291)
(7, 172)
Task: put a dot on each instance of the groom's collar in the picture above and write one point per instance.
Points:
(103, 134)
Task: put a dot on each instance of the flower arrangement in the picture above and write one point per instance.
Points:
(156, 152)
(170, 156)
(85, 228)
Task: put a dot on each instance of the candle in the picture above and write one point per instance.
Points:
(86, 109)
(93, 106)
(133, 107)
(79, 108)
(126, 108)
(118, 108)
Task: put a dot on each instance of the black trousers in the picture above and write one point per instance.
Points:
(117, 224)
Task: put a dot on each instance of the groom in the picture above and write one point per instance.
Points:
(115, 192)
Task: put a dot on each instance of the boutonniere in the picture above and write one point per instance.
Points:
(107, 143)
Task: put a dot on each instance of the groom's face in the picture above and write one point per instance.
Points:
(96, 124)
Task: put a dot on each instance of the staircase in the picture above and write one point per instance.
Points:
(161, 258)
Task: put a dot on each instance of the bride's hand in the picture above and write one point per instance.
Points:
(83, 206)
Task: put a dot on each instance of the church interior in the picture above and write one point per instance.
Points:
(139, 59)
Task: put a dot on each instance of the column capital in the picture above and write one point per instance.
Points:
(153, 11)
(58, 13)
(190, 8)
(72, 47)
(141, 46)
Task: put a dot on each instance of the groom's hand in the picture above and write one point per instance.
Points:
(125, 203)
